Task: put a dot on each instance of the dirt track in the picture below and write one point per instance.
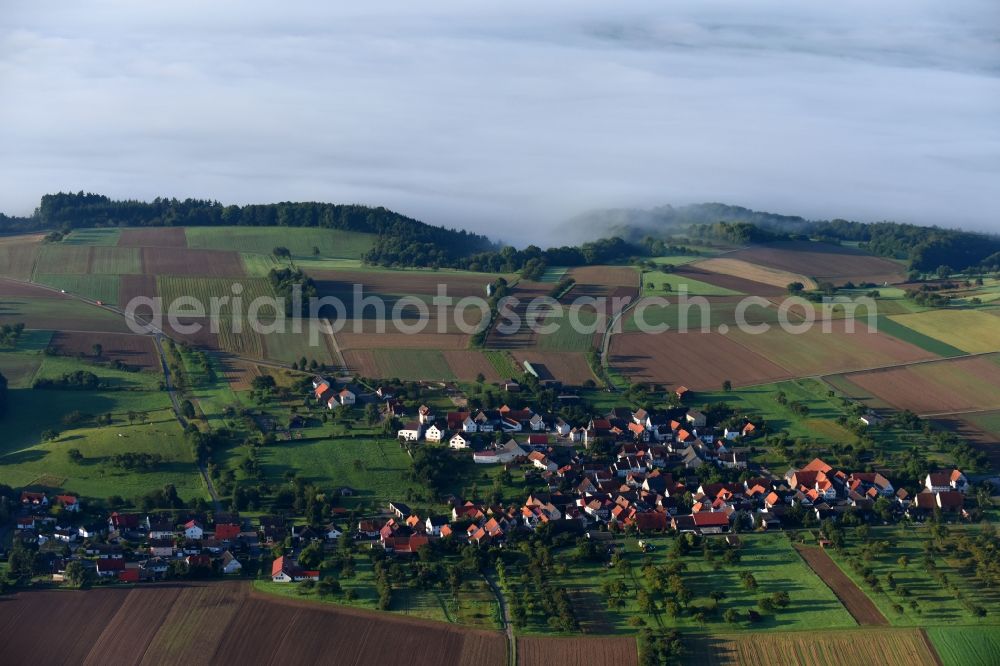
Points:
(855, 601)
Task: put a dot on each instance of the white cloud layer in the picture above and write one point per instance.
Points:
(509, 117)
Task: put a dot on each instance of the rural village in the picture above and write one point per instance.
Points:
(626, 471)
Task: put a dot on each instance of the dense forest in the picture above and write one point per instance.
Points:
(403, 241)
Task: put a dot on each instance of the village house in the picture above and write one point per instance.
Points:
(411, 431)
(459, 441)
(502, 454)
(940, 482)
(284, 570)
(69, 503)
(193, 530)
(161, 547)
(230, 565)
(434, 434)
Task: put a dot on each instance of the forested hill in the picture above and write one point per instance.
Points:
(924, 248)
(400, 239)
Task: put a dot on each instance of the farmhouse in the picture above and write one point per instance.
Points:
(434, 434)
(411, 432)
(459, 441)
(939, 482)
(283, 570)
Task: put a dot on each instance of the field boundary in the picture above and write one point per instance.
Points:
(862, 609)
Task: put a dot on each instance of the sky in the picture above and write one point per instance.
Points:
(508, 118)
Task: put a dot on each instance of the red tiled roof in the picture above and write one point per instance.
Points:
(710, 519)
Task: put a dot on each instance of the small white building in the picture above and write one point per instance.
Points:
(434, 434)
(410, 432)
(459, 441)
(193, 530)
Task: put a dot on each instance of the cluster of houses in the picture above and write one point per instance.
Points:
(327, 394)
(635, 492)
(133, 547)
(680, 435)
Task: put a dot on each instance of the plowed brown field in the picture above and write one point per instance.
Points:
(224, 623)
(181, 261)
(700, 361)
(137, 351)
(153, 237)
(824, 262)
(953, 385)
(855, 601)
(544, 651)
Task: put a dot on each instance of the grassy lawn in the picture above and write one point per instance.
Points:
(301, 241)
(48, 464)
(935, 604)
(819, 425)
(966, 646)
(56, 366)
(474, 607)
(375, 468)
(20, 364)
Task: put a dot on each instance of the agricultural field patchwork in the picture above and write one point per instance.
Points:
(834, 263)
(96, 236)
(817, 352)
(300, 241)
(745, 270)
(205, 289)
(61, 314)
(655, 283)
(966, 646)
(892, 647)
(972, 331)
(58, 258)
(939, 387)
(17, 260)
(135, 351)
(162, 261)
(413, 364)
(230, 622)
(102, 288)
(115, 260)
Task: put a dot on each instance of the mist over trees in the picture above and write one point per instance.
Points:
(401, 241)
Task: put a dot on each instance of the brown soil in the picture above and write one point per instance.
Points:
(855, 601)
